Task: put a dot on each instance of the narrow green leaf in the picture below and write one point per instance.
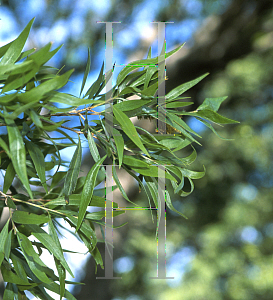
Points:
(4, 147)
(153, 172)
(193, 174)
(9, 176)
(23, 217)
(62, 274)
(87, 70)
(35, 118)
(181, 123)
(16, 69)
(67, 99)
(97, 257)
(150, 72)
(88, 189)
(184, 87)
(115, 176)
(73, 171)
(212, 129)
(85, 232)
(8, 245)
(18, 266)
(93, 147)
(212, 103)
(128, 105)
(50, 244)
(9, 276)
(3, 238)
(38, 161)
(93, 90)
(50, 85)
(35, 263)
(54, 287)
(98, 215)
(153, 188)
(142, 63)
(178, 104)
(8, 293)
(119, 145)
(214, 117)
(75, 199)
(134, 162)
(16, 47)
(170, 205)
(18, 154)
(129, 128)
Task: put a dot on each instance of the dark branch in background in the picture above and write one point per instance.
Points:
(224, 38)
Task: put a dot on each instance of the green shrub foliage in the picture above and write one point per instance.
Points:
(31, 140)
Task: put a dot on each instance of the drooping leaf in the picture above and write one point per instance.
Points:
(9, 176)
(115, 176)
(129, 129)
(88, 190)
(18, 153)
(60, 268)
(119, 145)
(93, 147)
(212, 129)
(18, 266)
(9, 276)
(73, 171)
(170, 205)
(38, 161)
(3, 238)
(50, 244)
(152, 171)
(35, 263)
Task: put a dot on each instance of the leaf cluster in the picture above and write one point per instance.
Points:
(31, 117)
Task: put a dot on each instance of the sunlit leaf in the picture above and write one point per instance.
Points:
(15, 48)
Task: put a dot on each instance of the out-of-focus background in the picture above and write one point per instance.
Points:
(224, 251)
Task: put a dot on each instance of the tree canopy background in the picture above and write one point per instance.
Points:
(224, 250)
